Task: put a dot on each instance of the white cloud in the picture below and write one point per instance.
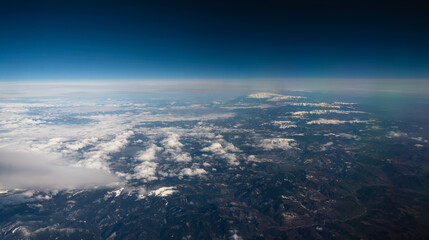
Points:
(146, 171)
(419, 139)
(334, 121)
(192, 106)
(101, 135)
(43, 172)
(277, 143)
(319, 112)
(190, 172)
(114, 193)
(96, 132)
(315, 105)
(344, 135)
(173, 147)
(97, 157)
(142, 192)
(163, 191)
(79, 144)
(182, 157)
(147, 117)
(172, 141)
(285, 124)
(344, 103)
(325, 146)
(219, 149)
(347, 135)
(261, 106)
(171, 160)
(149, 154)
(235, 235)
(263, 95)
(272, 96)
(393, 134)
(224, 150)
(284, 97)
(253, 158)
(215, 147)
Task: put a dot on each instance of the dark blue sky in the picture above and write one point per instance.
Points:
(49, 40)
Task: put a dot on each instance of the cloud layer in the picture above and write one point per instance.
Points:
(36, 171)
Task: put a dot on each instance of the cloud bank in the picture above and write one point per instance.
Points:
(20, 170)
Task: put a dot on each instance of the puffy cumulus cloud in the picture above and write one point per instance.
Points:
(96, 158)
(149, 154)
(117, 143)
(393, 134)
(335, 121)
(172, 141)
(277, 143)
(182, 157)
(224, 150)
(146, 171)
(167, 161)
(253, 158)
(51, 145)
(215, 147)
(191, 172)
(173, 148)
(79, 144)
(43, 172)
(165, 156)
